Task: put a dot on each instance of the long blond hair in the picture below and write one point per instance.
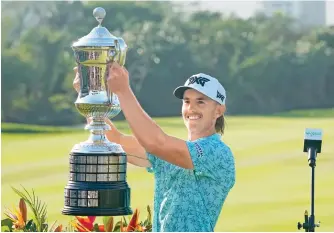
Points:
(220, 125)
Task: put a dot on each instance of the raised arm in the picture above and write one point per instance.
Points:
(136, 154)
(151, 136)
(147, 132)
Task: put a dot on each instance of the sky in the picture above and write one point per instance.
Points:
(247, 8)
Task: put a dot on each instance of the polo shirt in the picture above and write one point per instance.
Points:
(192, 199)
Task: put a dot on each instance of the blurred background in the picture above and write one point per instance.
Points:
(275, 59)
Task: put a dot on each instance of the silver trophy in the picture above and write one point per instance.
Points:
(97, 179)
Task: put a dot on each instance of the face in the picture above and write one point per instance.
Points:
(200, 112)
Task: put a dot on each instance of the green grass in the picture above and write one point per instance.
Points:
(28, 129)
(308, 113)
(272, 189)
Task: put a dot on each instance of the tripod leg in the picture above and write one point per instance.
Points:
(306, 223)
(312, 163)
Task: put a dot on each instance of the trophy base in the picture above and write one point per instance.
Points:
(97, 185)
(98, 199)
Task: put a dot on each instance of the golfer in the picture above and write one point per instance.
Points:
(192, 177)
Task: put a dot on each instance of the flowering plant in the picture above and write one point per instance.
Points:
(86, 224)
(17, 219)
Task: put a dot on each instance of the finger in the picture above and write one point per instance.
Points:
(111, 69)
(76, 85)
(112, 66)
(76, 78)
(115, 65)
(89, 120)
(115, 71)
(75, 69)
(119, 68)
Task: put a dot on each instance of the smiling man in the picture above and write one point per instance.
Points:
(192, 177)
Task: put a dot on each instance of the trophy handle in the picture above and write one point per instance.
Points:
(121, 49)
(124, 49)
(118, 54)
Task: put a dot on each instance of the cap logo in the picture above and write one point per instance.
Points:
(220, 96)
(199, 80)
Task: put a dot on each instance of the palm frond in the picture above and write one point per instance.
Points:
(53, 225)
(37, 207)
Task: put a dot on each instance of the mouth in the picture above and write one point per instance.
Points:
(194, 117)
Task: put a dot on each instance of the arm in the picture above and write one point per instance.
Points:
(150, 135)
(146, 131)
(136, 154)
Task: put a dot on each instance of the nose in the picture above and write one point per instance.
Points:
(191, 107)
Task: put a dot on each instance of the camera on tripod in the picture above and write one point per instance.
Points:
(312, 145)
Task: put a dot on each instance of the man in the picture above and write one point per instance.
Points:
(192, 177)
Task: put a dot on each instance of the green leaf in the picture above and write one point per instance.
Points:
(6, 225)
(45, 227)
(105, 220)
(108, 223)
(96, 227)
(117, 226)
(5, 229)
(6, 222)
(38, 209)
(29, 224)
(149, 214)
(146, 222)
(125, 223)
(34, 227)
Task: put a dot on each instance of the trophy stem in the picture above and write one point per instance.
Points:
(97, 128)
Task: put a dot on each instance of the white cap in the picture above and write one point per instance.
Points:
(206, 85)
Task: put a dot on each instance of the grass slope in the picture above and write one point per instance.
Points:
(273, 178)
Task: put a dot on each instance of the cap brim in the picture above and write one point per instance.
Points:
(179, 91)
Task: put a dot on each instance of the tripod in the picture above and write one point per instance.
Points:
(309, 224)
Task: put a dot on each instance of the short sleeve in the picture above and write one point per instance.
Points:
(153, 160)
(212, 160)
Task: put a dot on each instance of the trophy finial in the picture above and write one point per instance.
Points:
(99, 13)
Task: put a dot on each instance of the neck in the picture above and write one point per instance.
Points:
(193, 135)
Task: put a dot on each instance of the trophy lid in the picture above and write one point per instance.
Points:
(99, 36)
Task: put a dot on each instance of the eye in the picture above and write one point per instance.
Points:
(186, 101)
(201, 102)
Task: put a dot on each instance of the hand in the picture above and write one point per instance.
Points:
(118, 80)
(76, 81)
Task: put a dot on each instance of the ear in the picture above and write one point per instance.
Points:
(220, 110)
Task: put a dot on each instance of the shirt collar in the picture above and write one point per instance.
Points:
(214, 136)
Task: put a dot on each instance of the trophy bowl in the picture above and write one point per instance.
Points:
(97, 178)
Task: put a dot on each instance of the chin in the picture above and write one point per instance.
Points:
(191, 127)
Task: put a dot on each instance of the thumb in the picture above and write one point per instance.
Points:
(75, 69)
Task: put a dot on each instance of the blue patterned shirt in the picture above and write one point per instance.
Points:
(192, 199)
